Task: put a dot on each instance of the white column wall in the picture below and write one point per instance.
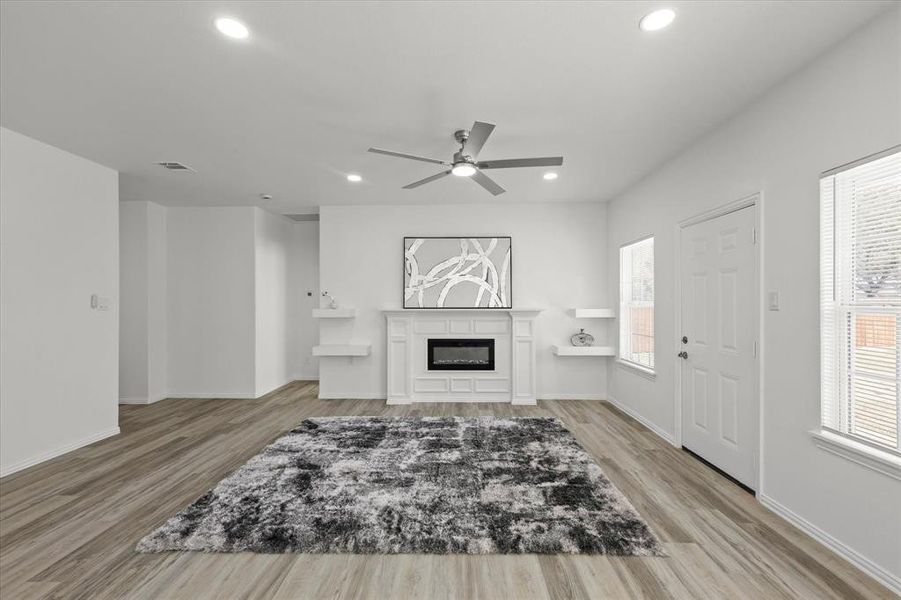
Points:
(59, 244)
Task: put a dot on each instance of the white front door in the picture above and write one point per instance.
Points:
(718, 339)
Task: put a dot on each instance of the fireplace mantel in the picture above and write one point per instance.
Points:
(512, 381)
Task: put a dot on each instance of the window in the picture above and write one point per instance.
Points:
(636, 304)
(860, 299)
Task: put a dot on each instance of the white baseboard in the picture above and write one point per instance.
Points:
(398, 401)
(212, 396)
(350, 396)
(524, 402)
(887, 579)
(624, 409)
(260, 393)
(143, 399)
(306, 377)
(460, 400)
(45, 456)
(375, 396)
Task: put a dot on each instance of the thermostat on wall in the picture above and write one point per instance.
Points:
(100, 302)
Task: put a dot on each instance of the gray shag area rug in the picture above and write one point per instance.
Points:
(424, 485)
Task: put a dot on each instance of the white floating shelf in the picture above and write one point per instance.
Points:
(584, 350)
(342, 350)
(594, 313)
(334, 313)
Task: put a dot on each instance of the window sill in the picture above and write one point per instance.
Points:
(871, 458)
(636, 369)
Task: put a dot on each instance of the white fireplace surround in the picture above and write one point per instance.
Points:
(410, 380)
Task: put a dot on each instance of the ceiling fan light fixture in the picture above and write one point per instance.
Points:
(657, 20)
(354, 178)
(232, 28)
(463, 170)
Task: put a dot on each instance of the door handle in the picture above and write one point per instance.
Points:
(683, 355)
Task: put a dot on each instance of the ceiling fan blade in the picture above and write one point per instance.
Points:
(478, 135)
(410, 156)
(487, 183)
(426, 180)
(512, 163)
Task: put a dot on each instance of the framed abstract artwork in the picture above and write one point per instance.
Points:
(458, 272)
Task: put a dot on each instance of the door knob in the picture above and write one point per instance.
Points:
(683, 355)
(684, 339)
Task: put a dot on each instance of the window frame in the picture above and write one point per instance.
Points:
(625, 337)
(834, 276)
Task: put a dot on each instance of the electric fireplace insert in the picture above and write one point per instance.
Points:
(461, 355)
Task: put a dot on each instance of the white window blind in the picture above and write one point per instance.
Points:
(636, 307)
(860, 300)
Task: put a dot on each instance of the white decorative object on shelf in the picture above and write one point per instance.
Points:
(342, 350)
(582, 339)
(334, 313)
(584, 350)
(594, 313)
(332, 303)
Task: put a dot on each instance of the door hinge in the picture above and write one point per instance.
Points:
(754, 235)
(755, 348)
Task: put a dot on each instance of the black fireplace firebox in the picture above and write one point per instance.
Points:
(461, 355)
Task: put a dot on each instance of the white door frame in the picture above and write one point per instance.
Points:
(755, 200)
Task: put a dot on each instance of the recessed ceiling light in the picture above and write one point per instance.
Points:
(353, 177)
(463, 170)
(232, 28)
(550, 176)
(657, 20)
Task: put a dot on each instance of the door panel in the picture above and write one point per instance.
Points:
(719, 374)
(699, 307)
(729, 312)
(699, 397)
(729, 393)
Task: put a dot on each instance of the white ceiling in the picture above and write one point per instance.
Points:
(293, 109)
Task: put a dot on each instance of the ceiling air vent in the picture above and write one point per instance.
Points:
(175, 166)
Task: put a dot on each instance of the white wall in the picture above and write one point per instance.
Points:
(211, 293)
(58, 246)
(133, 300)
(559, 263)
(844, 106)
(272, 242)
(303, 279)
(143, 318)
(232, 279)
(157, 302)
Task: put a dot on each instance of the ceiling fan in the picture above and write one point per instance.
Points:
(464, 163)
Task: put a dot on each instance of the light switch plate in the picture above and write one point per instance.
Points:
(773, 302)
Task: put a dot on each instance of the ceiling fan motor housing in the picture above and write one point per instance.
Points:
(459, 157)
